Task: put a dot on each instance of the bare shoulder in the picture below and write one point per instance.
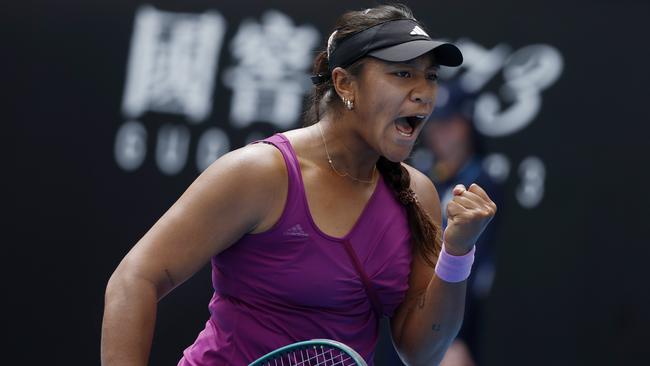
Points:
(253, 169)
(254, 160)
(254, 175)
(241, 186)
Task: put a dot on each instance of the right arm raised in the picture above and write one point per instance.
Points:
(234, 196)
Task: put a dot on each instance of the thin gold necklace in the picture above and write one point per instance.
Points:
(344, 174)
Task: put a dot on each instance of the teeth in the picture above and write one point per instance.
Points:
(414, 123)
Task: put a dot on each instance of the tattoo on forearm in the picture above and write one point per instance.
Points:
(169, 277)
(435, 327)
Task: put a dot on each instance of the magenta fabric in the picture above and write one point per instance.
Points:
(294, 282)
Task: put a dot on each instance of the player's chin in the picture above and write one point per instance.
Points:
(398, 153)
(396, 147)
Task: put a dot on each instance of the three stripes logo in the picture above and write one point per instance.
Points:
(418, 31)
(296, 230)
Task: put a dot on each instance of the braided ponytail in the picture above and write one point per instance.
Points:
(424, 232)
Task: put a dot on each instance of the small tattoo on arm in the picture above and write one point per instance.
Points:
(435, 327)
(169, 277)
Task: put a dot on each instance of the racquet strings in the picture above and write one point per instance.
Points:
(316, 356)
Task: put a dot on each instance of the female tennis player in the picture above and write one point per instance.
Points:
(320, 231)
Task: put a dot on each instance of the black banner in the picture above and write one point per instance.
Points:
(116, 107)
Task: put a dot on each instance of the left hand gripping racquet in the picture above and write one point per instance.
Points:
(316, 352)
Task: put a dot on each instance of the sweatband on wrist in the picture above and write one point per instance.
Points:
(453, 268)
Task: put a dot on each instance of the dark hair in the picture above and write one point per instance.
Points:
(424, 232)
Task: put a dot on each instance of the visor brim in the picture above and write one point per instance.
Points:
(446, 54)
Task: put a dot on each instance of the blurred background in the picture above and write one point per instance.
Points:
(115, 107)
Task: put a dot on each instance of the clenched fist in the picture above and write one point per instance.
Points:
(468, 213)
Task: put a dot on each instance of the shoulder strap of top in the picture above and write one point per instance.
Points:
(294, 192)
(282, 143)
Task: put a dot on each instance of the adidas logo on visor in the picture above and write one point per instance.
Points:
(419, 31)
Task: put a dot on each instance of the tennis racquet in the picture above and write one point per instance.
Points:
(321, 352)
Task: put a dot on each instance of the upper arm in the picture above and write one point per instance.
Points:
(421, 272)
(225, 202)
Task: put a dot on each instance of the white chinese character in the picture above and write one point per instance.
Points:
(271, 77)
(172, 63)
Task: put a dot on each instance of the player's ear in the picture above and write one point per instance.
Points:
(344, 83)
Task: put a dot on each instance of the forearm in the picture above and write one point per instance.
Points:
(129, 318)
(432, 323)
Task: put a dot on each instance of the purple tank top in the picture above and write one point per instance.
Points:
(294, 282)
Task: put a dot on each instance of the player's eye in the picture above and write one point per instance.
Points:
(403, 74)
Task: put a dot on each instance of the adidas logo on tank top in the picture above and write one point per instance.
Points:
(296, 230)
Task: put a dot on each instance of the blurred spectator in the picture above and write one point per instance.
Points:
(458, 154)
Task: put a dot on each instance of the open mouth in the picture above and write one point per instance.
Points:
(407, 125)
